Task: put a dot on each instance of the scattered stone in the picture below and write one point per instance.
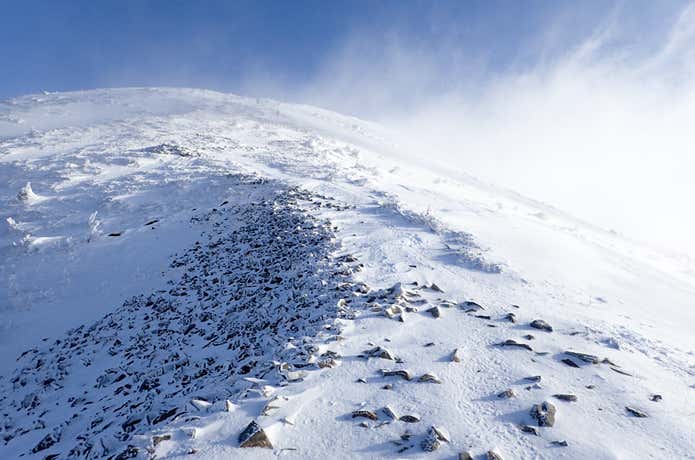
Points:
(542, 325)
(544, 413)
(435, 312)
(470, 306)
(655, 398)
(587, 358)
(47, 441)
(492, 455)
(430, 378)
(159, 438)
(254, 436)
(389, 412)
(435, 288)
(514, 343)
(636, 412)
(402, 373)
(410, 418)
(507, 394)
(530, 429)
(562, 443)
(570, 363)
(365, 413)
(565, 397)
(511, 317)
(432, 439)
(456, 356)
(380, 352)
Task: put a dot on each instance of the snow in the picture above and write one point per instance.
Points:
(108, 162)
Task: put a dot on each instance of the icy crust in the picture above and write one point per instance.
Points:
(244, 304)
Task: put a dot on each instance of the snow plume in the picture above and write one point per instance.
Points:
(601, 129)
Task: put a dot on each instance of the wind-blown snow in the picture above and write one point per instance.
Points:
(100, 190)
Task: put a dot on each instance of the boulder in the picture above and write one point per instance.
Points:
(254, 436)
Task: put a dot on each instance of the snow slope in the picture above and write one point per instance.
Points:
(125, 211)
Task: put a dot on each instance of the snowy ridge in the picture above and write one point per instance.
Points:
(468, 291)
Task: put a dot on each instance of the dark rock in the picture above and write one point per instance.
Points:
(470, 306)
(465, 456)
(565, 397)
(402, 373)
(365, 413)
(514, 343)
(544, 413)
(542, 325)
(562, 443)
(508, 393)
(530, 429)
(655, 398)
(587, 358)
(47, 441)
(570, 363)
(410, 418)
(529, 337)
(511, 317)
(254, 436)
(636, 412)
(435, 312)
(429, 378)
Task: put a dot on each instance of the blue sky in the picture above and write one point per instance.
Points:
(233, 45)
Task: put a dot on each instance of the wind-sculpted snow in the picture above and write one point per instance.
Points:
(245, 302)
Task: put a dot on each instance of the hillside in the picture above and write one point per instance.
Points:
(176, 264)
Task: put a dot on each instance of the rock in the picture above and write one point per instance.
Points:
(431, 441)
(508, 393)
(200, 404)
(363, 424)
(388, 386)
(529, 337)
(430, 378)
(465, 456)
(389, 412)
(587, 358)
(360, 380)
(435, 312)
(655, 398)
(365, 413)
(542, 325)
(570, 363)
(380, 352)
(429, 344)
(410, 418)
(511, 317)
(565, 397)
(514, 343)
(620, 371)
(402, 373)
(435, 288)
(530, 429)
(492, 455)
(456, 356)
(535, 378)
(442, 433)
(562, 443)
(254, 436)
(47, 441)
(636, 412)
(544, 413)
(470, 306)
(159, 438)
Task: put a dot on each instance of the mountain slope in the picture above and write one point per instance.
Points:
(209, 253)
